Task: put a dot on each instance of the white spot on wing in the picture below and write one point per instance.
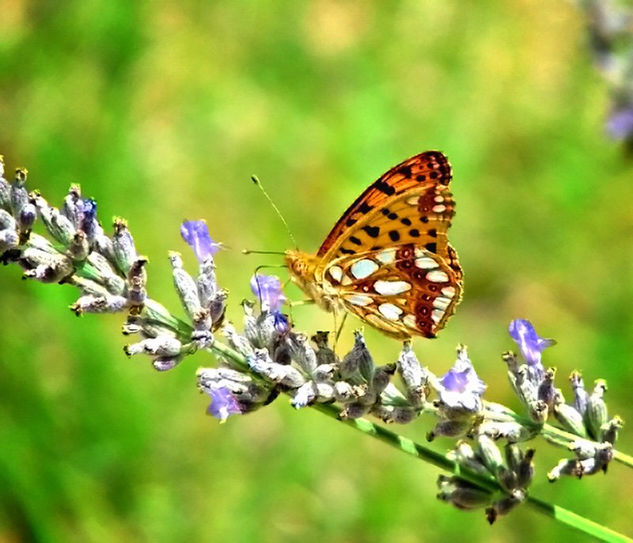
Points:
(390, 288)
(336, 273)
(390, 311)
(409, 320)
(440, 208)
(380, 323)
(441, 303)
(358, 299)
(437, 276)
(363, 268)
(413, 201)
(387, 257)
(426, 263)
(436, 315)
(449, 292)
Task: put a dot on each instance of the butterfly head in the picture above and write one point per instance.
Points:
(303, 272)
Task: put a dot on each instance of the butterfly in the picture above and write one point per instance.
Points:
(388, 260)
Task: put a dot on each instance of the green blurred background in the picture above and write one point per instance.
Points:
(162, 111)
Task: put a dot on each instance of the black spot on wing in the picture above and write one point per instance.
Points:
(372, 231)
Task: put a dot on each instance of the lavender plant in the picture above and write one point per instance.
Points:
(610, 28)
(491, 465)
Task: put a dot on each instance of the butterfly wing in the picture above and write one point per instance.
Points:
(388, 258)
(403, 291)
(411, 203)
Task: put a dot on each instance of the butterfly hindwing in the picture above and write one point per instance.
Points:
(402, 291)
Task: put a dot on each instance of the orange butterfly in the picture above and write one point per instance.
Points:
(387, 260)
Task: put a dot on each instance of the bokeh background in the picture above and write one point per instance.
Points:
(162, 111)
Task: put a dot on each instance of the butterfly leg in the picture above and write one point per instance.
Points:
(339, 329)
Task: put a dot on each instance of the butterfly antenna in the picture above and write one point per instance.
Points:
(256, 180)
(252, 252)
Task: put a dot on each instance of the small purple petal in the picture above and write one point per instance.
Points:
(87, 215)
(460, 385)
(223, 404)
(620, 124)
(531, 344)
(268, 289)
(196, 235)
(280, 322)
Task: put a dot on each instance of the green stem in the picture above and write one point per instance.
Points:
(412, 448)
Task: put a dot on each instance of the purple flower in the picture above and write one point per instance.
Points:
(620, 123)
(88, 216)
(223, 404)
(196, 235)
(267, 288)
(523, 333)
(461, 388)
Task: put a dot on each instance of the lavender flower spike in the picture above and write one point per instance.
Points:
(196, 235)
(223, 404)
(531, 344)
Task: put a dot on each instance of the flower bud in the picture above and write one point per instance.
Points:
(358, 359)
(489, 453)
(79, 247)
(236, 341)
(58, 226)
(44, 266)
(162, 346)
(465, 456)
(261, 363)
(596, 414)
(8, 240)
(99, 304)
(325, 355)
(185, 286)
(353, 411)
(414, 377)
(102, 272)
(611, 428)
(26, 219)
(449, 428)
(123, 246)
(19, 195)
(525, 469)
(207, 282)
(546, 390)
(538, 411)
(461, 494)
(304, 395)
(166, 363)
(394, 414)
(505, 505)
(570, 419)
(513, 432)
(137, 280)
(571, 467)
(302, 353)
(580, 394)
(5, 189)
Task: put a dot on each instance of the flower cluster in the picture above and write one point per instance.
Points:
(610, 27)
(587, 417)
(269, 359)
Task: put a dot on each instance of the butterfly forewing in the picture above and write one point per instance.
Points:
(409, 192)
